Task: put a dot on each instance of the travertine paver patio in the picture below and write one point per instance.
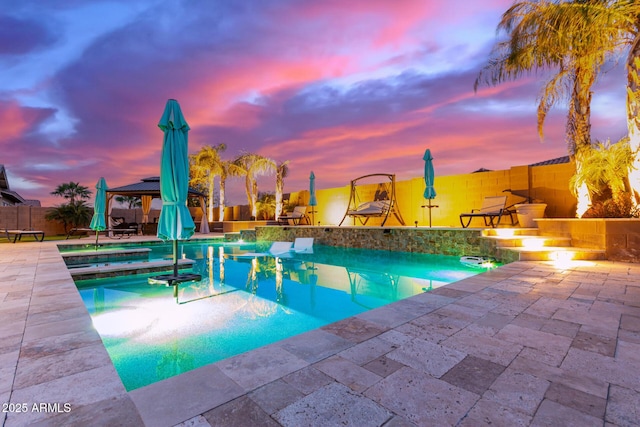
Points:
(526, 344)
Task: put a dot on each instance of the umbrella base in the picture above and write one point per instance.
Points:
(172, 280)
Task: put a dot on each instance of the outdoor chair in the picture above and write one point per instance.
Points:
(295, 217)
(491, 212)
(303, 245)
(76, 231)
(375, 208)
(16, 235)
(276, 249)
(122, 229)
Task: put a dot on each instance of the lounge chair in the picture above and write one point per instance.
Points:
(492, 208)
(122, 233)
(17, 234)
(122, 229)
(303, 245)
(276, 249)
(76, 231)
(295, 217)
(112, 233)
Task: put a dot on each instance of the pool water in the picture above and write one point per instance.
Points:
(245, 303)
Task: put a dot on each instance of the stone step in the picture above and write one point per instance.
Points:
(531, 242)
(557, 253)
(101, 271)
(107, 254)
(509, 232)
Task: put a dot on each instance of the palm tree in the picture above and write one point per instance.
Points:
(282, 170)
(570, 37)
(71, 191)
(633, 109)
(250, 165)
(71, 215)
(204, 167)
(130, 201)
(227, 169)
(606, 169)
(266, 206)
(605, 174)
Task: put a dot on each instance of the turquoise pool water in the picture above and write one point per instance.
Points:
(245, 303)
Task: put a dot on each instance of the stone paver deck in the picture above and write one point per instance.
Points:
(528, 344)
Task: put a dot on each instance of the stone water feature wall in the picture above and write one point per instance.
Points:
(445, 241)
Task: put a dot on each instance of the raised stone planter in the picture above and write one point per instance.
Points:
(619, 237)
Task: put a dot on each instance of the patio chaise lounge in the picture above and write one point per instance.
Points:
(114, 233)
(491, 212)
(303, 245)
(16, 235)
(276, 249)
(295, 217)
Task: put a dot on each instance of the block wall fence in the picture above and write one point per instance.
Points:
(455, 194)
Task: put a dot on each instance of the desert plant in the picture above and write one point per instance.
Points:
(604, 173)
(130, 201)
(266, 206)
(70, 215)
(72, 191)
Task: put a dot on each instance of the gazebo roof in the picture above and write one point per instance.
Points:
(146, 187)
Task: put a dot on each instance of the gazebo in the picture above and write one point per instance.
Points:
(148, 189)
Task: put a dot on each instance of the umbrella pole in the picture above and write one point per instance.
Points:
(175, 258)
(97, 232)
(430, 213)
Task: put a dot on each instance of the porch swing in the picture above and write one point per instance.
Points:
(363, 205)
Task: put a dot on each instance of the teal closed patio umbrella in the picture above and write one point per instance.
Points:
(175, 222)
(313, 202)
(98, 222)
(429, 176)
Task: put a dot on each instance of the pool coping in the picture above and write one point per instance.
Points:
(53, 355)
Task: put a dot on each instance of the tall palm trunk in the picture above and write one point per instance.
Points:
(279, 191)
(248, 188)
(254, 198)
(210, 195)
(282, 170)
(579, 133)
(633, 117)
(223, 183)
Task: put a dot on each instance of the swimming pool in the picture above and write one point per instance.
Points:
(245, 303)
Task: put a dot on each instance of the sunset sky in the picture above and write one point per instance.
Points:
(343, 88)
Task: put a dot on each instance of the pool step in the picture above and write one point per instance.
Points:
(509, 232)
(558, 253)
(525, 244)
(85, 273)
(530, 241)
(106, 254)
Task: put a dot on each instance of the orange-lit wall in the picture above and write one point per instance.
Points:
(455, 194)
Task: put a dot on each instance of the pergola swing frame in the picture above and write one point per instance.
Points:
(352, 206)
